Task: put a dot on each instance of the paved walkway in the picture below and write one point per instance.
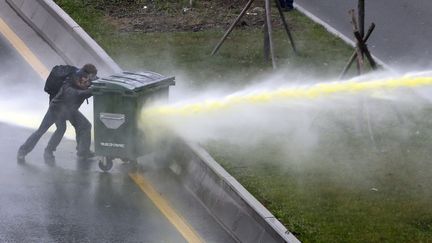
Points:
(403, 36)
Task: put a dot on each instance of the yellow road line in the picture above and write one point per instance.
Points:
(185, 229)
(23, 50)
(188, 233)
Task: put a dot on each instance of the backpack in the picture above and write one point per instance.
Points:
(56, 78)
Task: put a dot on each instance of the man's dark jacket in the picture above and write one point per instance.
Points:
(69, 98)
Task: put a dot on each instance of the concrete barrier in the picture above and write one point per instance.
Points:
(246, 219)
(63, 34)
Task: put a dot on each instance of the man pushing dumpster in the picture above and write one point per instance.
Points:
(64, 106)
(118, 101)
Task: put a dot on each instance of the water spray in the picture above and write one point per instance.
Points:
(286, 94)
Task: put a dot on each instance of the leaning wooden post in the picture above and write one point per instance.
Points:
(269, 28)
(364, 49)
(354, 55)
(286, 26)
(360, 61)
(231, 27)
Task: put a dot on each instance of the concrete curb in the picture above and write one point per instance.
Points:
(63, 34)
(244, 217)
(335, 32)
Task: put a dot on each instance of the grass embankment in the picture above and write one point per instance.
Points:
(346, 189)
(189, 52)
(338, 184)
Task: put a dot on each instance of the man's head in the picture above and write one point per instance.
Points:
(91, 71)
(86, 75)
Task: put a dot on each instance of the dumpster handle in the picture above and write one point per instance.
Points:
(111, 120)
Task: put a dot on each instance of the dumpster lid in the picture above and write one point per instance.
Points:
(133, 81)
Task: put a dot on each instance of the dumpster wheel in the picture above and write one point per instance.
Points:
(106, 164)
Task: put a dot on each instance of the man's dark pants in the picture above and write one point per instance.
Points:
(83, 132)
(82, 128)
(59, 132)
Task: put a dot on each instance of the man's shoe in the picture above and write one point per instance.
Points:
(49, 155)
(86, 156)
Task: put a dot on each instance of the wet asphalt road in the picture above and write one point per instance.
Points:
(71, 201)
(403, 33)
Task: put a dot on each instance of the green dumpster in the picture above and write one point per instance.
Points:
(118, 100)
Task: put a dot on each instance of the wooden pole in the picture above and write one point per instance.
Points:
(269, 28)
(361, 17)
(286, 26)
(266, 42)
(232, 27)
